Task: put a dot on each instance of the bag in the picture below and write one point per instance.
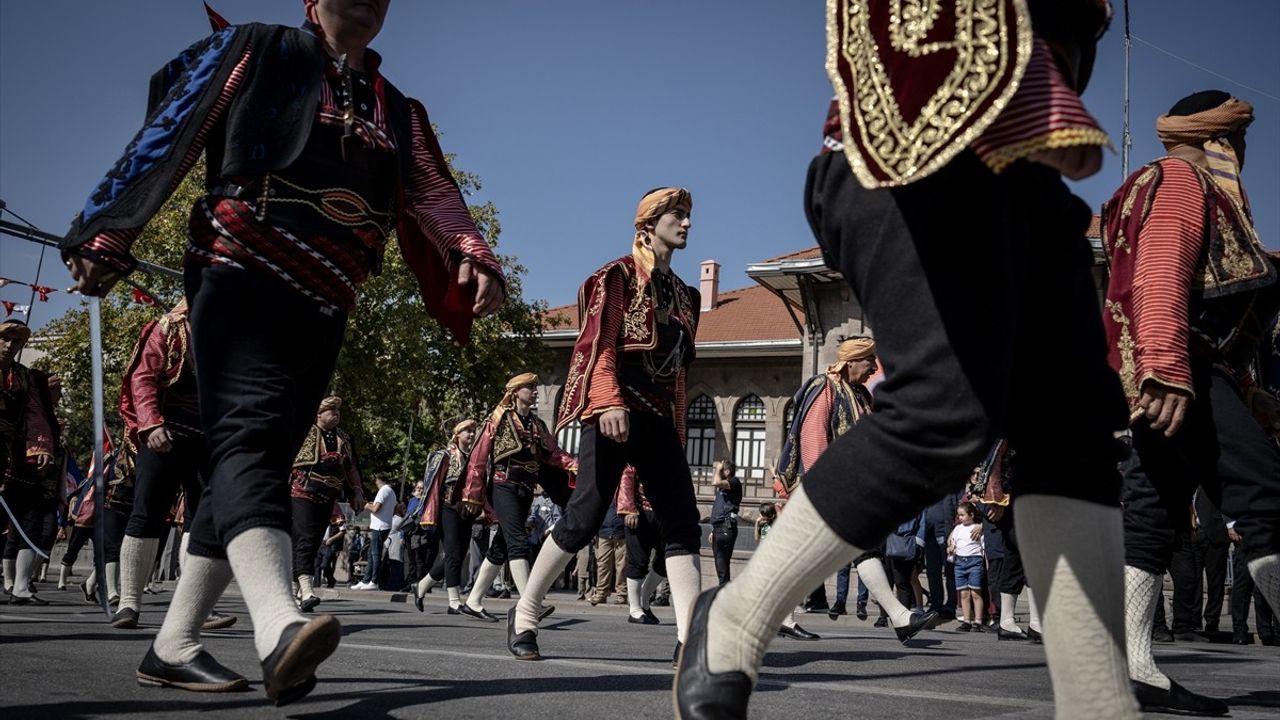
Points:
(901, 544)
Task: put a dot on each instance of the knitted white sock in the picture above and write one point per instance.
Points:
(651, 583)
(306, 586)
(484, 580)
(685, 575)
(633, 597)
(182, 551)
(1008, 602)
(136, 558)
(1266, 577)
(263, 560)
(1081, 589)
(874, 577)
(552, 560)
(113, 580)
(1033, 612)
(425, 584)
(10, 569)
(23, 565)
(63, 571)
(519, 573)
(455, 597)
(800, 552)
(1141, 593)
(202, 583)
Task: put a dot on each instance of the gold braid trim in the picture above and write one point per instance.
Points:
(1001, 159)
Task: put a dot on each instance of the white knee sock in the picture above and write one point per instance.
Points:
(1141, 593)
(1081, 588)
(262, 558)
(520, 573)
(484, 580)
(873, 576)
(136, 558)
(1033, 612)
(1008, 602)
(685, 575)
(790, 620)
(633, 597)
(552, 560)
(182, 552)
(651, 583)
(800, 552)
(10, 569)
(306, 586)
(63, 571)
(91, 582)
(1266, 577)
(455, 597)
(113, 580)
(202, 583)
(23, 565)
(426, 584)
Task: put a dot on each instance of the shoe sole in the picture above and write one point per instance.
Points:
(1163, 710)
(313, 644)
(125, 625)
(219, 624)
(146, 680)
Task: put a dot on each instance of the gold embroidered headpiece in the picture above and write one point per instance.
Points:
(522, 380)
(333, 402)
(852, 350)
(653, 205)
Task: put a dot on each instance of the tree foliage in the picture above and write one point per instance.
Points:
(397, 367)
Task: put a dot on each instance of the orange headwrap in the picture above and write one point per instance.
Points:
(1208, 129)
(514, 384)
(654, 205)
(851, 350)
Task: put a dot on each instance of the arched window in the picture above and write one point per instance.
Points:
(700, 423)
(748, 438)
(570, 436)
(788, 417)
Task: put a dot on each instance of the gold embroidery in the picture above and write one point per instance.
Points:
(635, 326)
(1234, 258)
(1126, 346)
(910, 21)
(506, 439)
(1147, 176)
(946, 124)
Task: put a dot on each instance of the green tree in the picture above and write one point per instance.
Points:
(397, 365)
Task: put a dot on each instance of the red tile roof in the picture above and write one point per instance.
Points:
(1095, 227)
(806, 254)
(749, 314)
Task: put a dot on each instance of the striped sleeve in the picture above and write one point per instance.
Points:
(603, 391)
(813, 431)
(113, 246)
(1168, 249)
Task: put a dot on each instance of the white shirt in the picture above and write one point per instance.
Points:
(966, 546)
(386, 498)
(394, 540)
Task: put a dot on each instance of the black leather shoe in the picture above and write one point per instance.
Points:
(204, 674)
(836, 611)
(964, 627)
(417, 602)
(1002, 634)
(523, 645)
(653, 619)
(481, 614)
(642, 620)
(125, 619)
(882, 621)
(699, 694)
(218, 621)
(453, 610)
(1241, 637)
(979, 628)
(797, 633)
(309, 603)
(90, 593)
(1161, 635)
(920, 620)
(1177, 700)
(546, 612)
(289, 672)
(1194, 636)
(861, 612)
(33, 600)
(675, 656)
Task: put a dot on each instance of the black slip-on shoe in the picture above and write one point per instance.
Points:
(453, 611)
(797, 633)
(1034, 636)
(882, 621)
(289, 671)
(417, 602)
(1177, 700)
(1002, 634)
(697, 693)
(309, 603)
(218, 621)
(920, 620)
(481, 614)
(1161, 635)
(125, 619)
(642, 620)
(203, 674)
(546, 612)
(1193, 636)
(675, 656)
(524, 646)
(861, 612)
(652, 619)
(90, 593)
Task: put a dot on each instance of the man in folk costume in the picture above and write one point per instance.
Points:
(646, 564)
(324, 472)
(514, 454)
(314, 157)
(626, 383)
(1188, 305)
(29, 443)
(442, 524)
(161, 414)
(939, 197)
(827, 406)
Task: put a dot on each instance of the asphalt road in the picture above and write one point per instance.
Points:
(64, 661)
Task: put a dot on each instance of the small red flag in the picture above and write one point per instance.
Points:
(142, 298)
(8, 307)
(43, 291)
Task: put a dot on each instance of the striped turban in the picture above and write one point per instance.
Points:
(508, 398)
(852, 350)
(653, 205)
(1205, 120)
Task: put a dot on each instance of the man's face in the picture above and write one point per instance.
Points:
(418, 489)
(466, 438)
(328, 419)
(859, 371)
(10, 346)
(671, 231)
(357, 21)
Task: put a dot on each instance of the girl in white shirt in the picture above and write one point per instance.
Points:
(970, 568)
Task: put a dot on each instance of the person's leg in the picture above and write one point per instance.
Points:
(1187, 584)
(934, 559)
(1215, 577)
(637, 568)
(512, 503)
(722, 550)
(376, 539)
(309, 522)
(842, 590)
(1241, 596)
(873, 577)
(116, 520)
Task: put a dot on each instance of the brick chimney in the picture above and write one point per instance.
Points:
(709, 284)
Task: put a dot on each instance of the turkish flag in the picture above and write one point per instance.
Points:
(8, 307)
(142, 298)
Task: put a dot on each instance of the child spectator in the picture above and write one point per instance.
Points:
(966, 546)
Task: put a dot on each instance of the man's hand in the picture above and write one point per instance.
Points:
(975, 532)
(357, 505)
(92, 278)
(616, 425)
(632, 521)
(489, 292)
(42, 461)
(995, 512)
(157, 439)
(1076, 162)
(1235, 536)
(1165, 407)
(469, 511)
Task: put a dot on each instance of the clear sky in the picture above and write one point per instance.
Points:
(570, 109)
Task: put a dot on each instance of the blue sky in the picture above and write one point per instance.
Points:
(570, 109)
